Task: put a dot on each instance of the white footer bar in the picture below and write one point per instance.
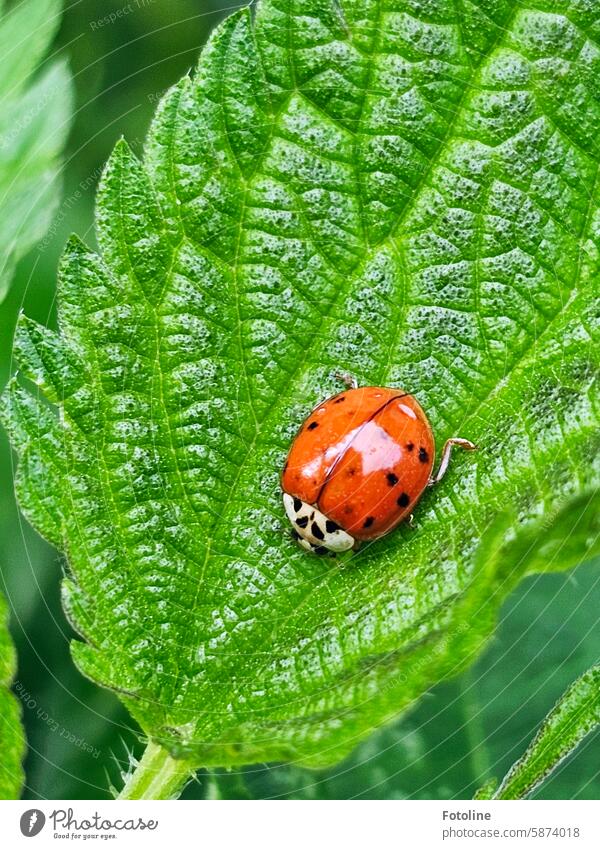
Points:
(301, 824)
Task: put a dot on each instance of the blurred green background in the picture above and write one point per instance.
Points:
(79, 736)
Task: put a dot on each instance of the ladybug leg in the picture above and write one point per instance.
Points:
(350, 381)
(446, 452)
(410, 521)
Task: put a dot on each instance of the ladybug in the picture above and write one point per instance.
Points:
(358, 466)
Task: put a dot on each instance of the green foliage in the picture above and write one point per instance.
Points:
(12, 740)
(35, 115)
(392, 190)
(575, 715)
(34, 120)
(473, 726)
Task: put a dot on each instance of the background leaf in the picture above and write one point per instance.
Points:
(256, 250)
(35, 116)
(12, 739)
(576, 714)
(34, 121)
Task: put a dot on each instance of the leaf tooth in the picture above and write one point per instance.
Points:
(103, 668)
(241, 91)
(33, 431)
(85, 286)
(211, 135)
(162, 154)
(79, 609)
(131, 229)
(46, 360)
(24, 417)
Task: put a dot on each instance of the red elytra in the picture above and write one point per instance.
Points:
(358, 466)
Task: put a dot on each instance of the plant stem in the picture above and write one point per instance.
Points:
(157, 776)
(474, 729)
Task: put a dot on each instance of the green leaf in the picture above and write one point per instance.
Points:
(468, 727)
(574, 716)
(487, 790)
(12, 738)
(35, 116)
(405, 192)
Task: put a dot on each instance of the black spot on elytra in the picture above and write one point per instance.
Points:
(312, 425)
(423, 455)
(403, 500)
(297, 504)
(331, 527)
(302, 522)
(410, 446)
(392, 479)
(339, 400)
(316, 531)
(368, 521)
